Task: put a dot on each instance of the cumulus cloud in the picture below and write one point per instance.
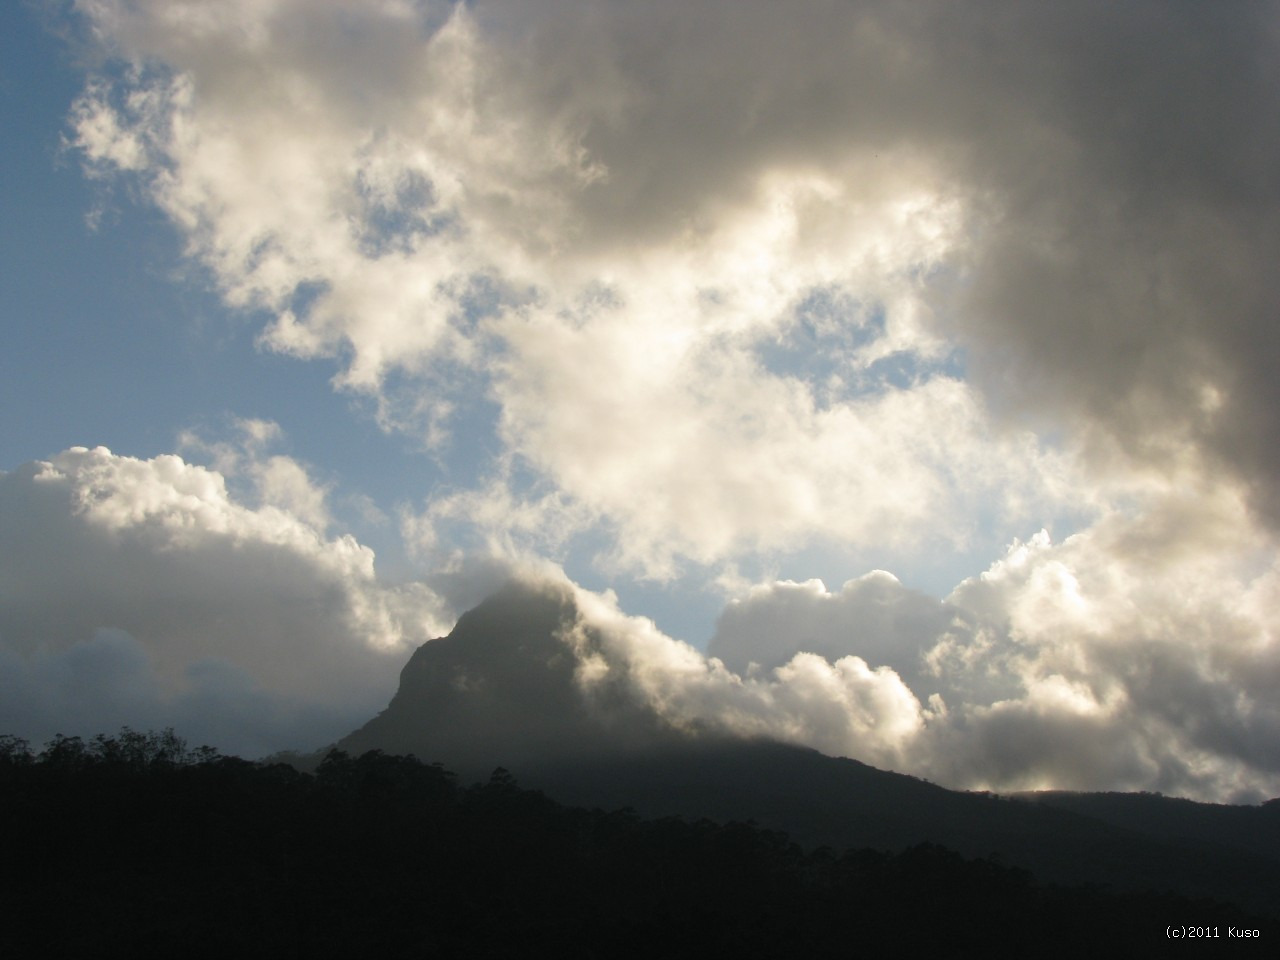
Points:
(873, 616)
(144, 591)
(1138, 654)
(1151, 641)
(1100, 177)
(845, 708)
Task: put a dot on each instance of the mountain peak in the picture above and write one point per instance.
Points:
(507, 688)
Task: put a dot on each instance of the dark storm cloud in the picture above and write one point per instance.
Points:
(1116, 162)
(1124, 277)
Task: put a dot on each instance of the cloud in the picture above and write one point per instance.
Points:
(844, 708)
(1123, 285)
(108, 680)
(1137, 654)
(697, 452)
(633, 239)
(1150, 640)
(614, 217)
(143, 591)
(873, 616)
(1097, 177)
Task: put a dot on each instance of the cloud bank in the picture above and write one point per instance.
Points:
(1127, 657)
(146, 593)
(1139, 654)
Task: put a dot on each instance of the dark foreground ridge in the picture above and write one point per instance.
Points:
(135, 846)
(500, 690)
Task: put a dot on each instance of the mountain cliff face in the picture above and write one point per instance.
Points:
(506, 688)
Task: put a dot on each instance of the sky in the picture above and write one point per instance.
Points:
(891, 378)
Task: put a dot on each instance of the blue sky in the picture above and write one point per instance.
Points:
(689, 309)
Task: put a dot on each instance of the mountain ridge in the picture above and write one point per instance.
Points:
(502, 690)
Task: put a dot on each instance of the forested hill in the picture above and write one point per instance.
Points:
(134, 845)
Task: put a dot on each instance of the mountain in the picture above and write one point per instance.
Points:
(503, 690)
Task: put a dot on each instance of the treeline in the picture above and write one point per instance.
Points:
(135, 845)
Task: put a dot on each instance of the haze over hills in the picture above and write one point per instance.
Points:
(523, 682)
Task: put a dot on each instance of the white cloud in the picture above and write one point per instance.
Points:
(692, 449)
(277, 481)
(1145, 630)
(1138, 654)
(153, 568)
(874, 617)
(844, 708)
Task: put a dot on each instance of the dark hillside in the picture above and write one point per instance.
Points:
(162, 852)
